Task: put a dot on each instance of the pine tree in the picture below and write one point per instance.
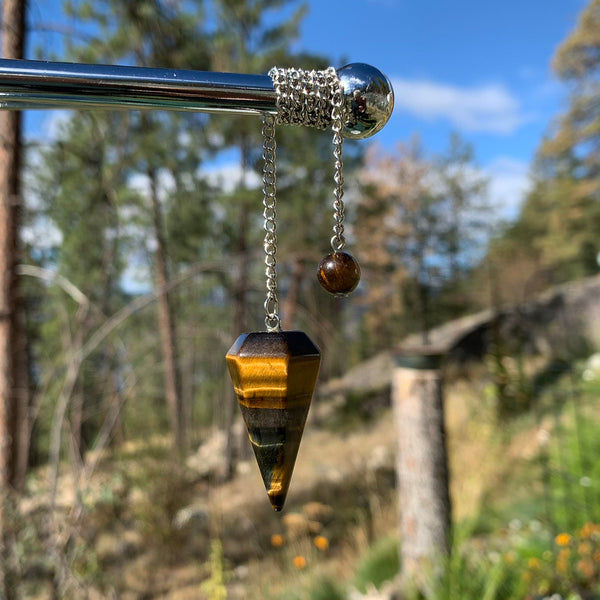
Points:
(561, 215)
(160, 34)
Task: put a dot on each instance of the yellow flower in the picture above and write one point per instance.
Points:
(299, 562)
(322, 543)
(510, 558)
(277, 540)
(533, 563)
(562, 539)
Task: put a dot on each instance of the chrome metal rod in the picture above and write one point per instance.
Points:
(25, 84)
(28, 84)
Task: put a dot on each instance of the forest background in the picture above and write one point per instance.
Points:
(139, 265)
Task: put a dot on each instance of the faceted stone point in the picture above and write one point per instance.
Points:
(274, 376)
(339, 273)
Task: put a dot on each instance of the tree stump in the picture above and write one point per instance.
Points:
(421, 465)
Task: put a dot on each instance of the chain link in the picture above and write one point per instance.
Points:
(338, 241)
(303, 97)
(270, 222)
(316, 99)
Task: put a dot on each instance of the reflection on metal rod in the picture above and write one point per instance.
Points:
(24, 84)
(37, 84)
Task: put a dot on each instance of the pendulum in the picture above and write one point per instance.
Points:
(274, 372)
(338, 272)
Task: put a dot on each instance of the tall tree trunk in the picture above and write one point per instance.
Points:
(166, 324)
(78, 443)
(14, 388)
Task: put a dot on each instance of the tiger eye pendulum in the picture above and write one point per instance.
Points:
(274, 372)
(274, 375)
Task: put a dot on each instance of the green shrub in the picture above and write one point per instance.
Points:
(379, 564)
(321, 588)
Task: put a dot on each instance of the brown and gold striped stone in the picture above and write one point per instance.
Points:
(274, 376)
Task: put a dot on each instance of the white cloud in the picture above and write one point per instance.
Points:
(509, 184)
(486, 108)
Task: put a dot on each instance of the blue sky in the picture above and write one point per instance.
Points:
(480, 67)
(476, 67)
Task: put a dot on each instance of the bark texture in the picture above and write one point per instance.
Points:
(422, 471)
(166, 326)
(14, 388)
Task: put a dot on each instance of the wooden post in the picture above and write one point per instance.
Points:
(421, 464)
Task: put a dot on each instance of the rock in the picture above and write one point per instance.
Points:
(591, 371)
(195, 517)
(209, 460)
(137, 496)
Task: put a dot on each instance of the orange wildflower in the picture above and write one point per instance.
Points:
(562, 539)
(585, 548)
(564, 554)
(299, 562)
(277, 540)
(533, 563)
(322, 543)
(586, 568)
(589, 529)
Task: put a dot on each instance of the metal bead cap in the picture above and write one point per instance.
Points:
(368, 100)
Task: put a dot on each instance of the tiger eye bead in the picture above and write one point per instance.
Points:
(339, 273)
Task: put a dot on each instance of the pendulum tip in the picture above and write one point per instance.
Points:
(277, 501)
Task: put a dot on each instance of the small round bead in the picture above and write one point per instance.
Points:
(339, 273)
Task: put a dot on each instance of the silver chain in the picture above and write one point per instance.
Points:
(316, 99)
(338, 241)
(304, 97)
(270, 224)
